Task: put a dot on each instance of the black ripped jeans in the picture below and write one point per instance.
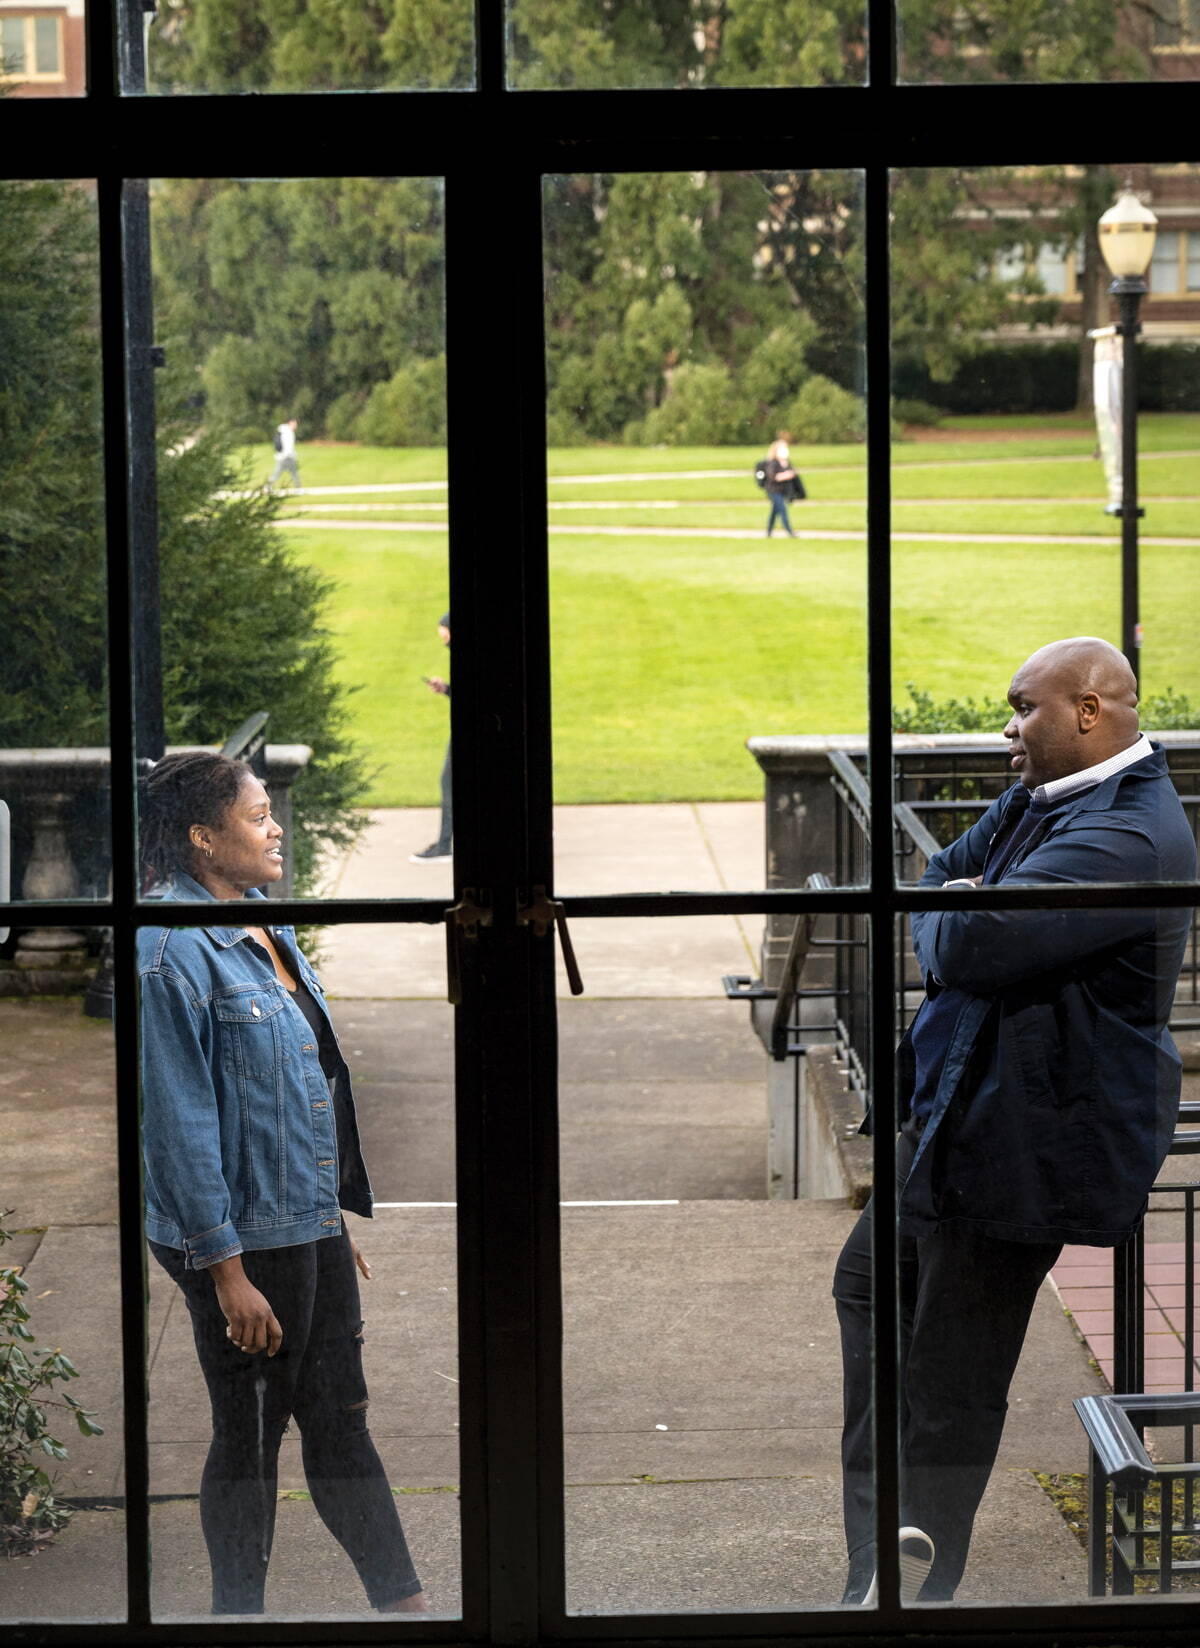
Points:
(317, 1377)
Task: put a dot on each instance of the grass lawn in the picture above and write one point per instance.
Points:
(671, 651)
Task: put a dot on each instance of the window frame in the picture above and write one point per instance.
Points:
(509, 1271)
(36, 77)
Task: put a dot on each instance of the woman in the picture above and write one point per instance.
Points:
(251, 1151)
(780, 476)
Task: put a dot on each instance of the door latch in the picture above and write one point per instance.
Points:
(463, 921)
(543, 915)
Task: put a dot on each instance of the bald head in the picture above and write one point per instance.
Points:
(1074, 704)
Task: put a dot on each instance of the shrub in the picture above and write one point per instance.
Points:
(701, 408)
(1169, 378)
(30, 1513)
(916, 412)
(1168, 711)
(825, 414)
(409, 409)
(1043, 377)
(948, 715)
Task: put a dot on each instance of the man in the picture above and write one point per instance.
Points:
(440, 850)
(1039, 1088)
(285, 453)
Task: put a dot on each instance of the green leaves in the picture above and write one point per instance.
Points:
(29, 1512)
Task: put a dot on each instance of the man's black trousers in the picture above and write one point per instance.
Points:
(964, 1302)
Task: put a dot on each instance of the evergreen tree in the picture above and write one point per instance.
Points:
(290, 297)
(311, 45)
(52, 668)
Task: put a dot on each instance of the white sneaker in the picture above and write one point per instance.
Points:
(916, 1559)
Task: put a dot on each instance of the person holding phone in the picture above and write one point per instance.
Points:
(440, 850)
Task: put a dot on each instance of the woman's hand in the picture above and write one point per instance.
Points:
(253, 1325)
(359, 1259)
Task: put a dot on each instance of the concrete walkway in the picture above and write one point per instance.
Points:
(701, 1370)
(697, 846)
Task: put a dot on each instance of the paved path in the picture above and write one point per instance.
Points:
(701, 1372)
(699, 846)
(834, 535)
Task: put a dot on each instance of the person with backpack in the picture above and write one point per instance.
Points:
(285, 453)
(779, 479)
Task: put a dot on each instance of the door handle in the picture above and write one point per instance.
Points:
(463, 921)
(544, 914)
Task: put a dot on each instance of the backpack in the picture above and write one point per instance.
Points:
(278, 441)
(760, 471)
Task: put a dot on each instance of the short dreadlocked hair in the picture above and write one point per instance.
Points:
(196, 787)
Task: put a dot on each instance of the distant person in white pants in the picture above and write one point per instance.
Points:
(285, 453)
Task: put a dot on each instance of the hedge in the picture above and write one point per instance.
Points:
(1042, 377)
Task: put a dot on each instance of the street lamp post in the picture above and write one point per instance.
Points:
(1127, 233)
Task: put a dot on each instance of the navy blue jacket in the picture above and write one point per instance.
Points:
(1060, 1089)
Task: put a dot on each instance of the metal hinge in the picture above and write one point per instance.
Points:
(543, 914)
(463, 921)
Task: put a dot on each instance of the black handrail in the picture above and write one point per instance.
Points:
(249, 743)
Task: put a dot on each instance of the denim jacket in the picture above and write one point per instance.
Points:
(239, 1128)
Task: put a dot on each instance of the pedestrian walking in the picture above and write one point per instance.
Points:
(780, 480)
(285, 453)
(440, 850)
(251, 1154)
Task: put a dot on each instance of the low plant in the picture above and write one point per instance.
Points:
(925, 714)
(1168, 711)
(30, 1513)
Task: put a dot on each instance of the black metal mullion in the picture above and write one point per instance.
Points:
(135, 1371)
(505, 1042)
(882, 873)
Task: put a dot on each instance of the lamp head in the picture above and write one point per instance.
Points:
(1127, 232)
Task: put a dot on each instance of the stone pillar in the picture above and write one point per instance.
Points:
(50, 876)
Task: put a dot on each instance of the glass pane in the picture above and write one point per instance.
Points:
(940, 42)
(61, 1519)
(53, 695)
(213, 46)
(676, 44)
(1007, 452)
(12, 44)
(301, 418)
(46, 52)
(700, 1360)
(1041, 1086)
(1164, 265)
(702, 328)
(282, 1123)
